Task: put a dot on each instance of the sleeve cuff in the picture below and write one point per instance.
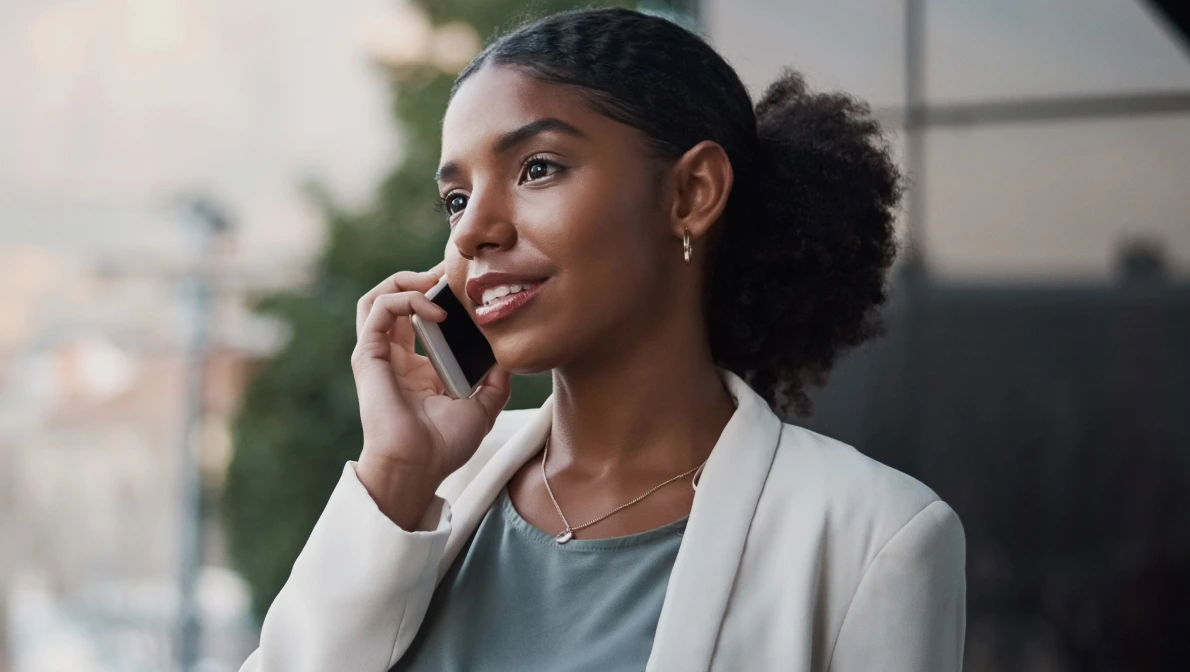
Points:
(436, 518)
(358, 589)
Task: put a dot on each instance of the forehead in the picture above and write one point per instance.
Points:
(497, 99)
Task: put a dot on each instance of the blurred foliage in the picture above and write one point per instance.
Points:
(299, 423)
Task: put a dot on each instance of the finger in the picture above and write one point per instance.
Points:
(493, 392)
(402, 334)
(402, 281)
(388, 311)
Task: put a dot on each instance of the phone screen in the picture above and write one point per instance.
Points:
(466, 341)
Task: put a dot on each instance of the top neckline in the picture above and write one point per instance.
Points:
(514, 519)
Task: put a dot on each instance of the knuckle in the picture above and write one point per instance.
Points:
(381, 303)
(394, 282)
(393, 301)
(367, 351)
(376, 351)
(379, 306)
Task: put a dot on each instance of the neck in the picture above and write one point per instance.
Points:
(650, 408)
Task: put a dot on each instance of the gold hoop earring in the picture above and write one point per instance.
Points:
(686, 244)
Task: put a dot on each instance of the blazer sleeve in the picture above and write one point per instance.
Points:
(909, 610)
(358, 590)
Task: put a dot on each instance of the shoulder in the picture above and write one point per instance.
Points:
(832, 524)
(895, 593)
(509, 422)
(846, 475)
(860, 503)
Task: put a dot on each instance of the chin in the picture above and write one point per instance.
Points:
(526, 366)
(526, 355)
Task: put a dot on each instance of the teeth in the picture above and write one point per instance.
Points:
(492, 293)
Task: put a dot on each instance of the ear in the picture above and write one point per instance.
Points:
(702, 179)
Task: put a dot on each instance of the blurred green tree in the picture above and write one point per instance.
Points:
(299, 422)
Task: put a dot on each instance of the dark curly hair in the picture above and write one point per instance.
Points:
(798, 270)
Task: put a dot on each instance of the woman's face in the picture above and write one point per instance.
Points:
(537, 184)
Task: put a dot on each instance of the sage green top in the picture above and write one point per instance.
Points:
(515, 599)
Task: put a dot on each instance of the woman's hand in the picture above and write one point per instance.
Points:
(414, 437)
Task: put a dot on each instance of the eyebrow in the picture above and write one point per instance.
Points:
(515, 137)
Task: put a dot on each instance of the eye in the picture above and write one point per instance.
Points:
(537, 168)
(453, 202)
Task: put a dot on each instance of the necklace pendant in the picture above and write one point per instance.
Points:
(564, 536)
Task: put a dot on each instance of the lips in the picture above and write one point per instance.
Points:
(478, 283)
(504, 306)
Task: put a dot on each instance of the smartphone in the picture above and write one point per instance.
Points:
(455, 346)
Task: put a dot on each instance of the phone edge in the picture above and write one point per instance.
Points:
(436, 359)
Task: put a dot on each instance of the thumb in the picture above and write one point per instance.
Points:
(493, 393)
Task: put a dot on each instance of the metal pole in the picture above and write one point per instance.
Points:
(7, 557)
(912, 313)
(915, 103)
(206, 224)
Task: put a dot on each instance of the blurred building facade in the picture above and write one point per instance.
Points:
(111, 110)
(1052, 418)
(1036, 373)
(90, 408)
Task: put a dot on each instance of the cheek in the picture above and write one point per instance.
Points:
(623, 243)
(618, 249)
(604, 220)
(605, 247)
(456, 272)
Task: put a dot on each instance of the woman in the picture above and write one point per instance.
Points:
(691, 264)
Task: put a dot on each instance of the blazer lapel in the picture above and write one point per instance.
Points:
(477, 497)
(707, 561)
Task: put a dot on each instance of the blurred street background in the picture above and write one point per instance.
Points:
(193, 195)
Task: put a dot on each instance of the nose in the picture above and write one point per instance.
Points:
(486, 224)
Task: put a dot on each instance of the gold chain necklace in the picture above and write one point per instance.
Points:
(568, 534)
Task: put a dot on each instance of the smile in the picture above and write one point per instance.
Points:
(501, 301)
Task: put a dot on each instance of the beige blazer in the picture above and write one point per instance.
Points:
(800, 553)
